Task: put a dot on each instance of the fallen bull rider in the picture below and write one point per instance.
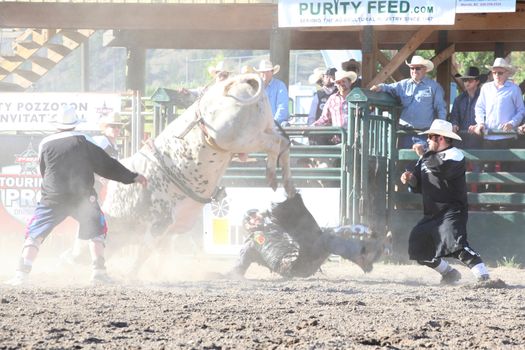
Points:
(288, 241)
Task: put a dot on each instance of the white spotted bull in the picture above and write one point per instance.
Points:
(185, 163)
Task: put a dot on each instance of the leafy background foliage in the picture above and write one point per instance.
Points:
(188, 68)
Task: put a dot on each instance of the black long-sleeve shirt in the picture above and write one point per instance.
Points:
(68, 162)
(441, 179)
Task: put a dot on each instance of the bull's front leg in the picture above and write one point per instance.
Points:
(284, 162)
(184, 215)
(151, 241)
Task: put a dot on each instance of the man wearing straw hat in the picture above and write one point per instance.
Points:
(422, 99)
(335, 111)
(221, 71)
(499, 106)
(353, 66)
(275, 90)
(325, 79)
(439, 176)
(68, 161)
(111, 125)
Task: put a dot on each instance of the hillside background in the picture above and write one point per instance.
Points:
(188, 68)
(164, 68)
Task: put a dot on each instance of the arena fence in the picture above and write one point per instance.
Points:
(366, 167)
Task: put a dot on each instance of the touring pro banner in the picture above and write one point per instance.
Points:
(321, 13)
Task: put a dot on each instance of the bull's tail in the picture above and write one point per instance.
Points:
(293, 216)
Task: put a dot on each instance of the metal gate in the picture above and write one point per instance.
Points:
(371, 157)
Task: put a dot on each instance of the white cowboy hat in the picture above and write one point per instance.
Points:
(219, 67)
(341, 74)
(112, 118)
(443, 128)
(266, 65)
(247, 69)
(501, 63)
(316, 76)
(420, 61)
(67, 119)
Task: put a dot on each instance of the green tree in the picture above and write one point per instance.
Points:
(474, 59)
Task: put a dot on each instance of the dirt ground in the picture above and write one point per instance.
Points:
(176, 303)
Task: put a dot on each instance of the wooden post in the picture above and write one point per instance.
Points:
(136, 69)
(443, 68)
(84, 66)
(369, 47)
(280, 52)
(499, 50)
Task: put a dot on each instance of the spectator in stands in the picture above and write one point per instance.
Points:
(335, 111)
(325, 79)
(500, 105)
(220, 71)
(246, 69)
(439, 176)
(275, 90)
(111, 125)
(422, 99)
(463, 117)
(353, 66)
(499, 108)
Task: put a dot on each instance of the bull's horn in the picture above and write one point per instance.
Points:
(247, 78)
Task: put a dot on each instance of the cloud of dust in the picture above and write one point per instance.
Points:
(179, 259)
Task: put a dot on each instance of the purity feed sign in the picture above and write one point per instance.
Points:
(37, 111)
(320, 13)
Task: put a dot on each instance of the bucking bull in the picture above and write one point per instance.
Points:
(185, 163)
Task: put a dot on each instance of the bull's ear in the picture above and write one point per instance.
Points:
(253, 83)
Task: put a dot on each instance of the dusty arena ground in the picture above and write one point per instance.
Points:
(177, 304)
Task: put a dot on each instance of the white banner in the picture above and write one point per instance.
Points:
(321, 13)
(222, 222)
(477, 6)
(36, 111)
(20, 188)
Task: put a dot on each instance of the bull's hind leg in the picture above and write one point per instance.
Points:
(284, 162)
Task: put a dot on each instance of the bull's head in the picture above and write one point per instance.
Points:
(371, 245)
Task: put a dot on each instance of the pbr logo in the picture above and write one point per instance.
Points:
(20, 185)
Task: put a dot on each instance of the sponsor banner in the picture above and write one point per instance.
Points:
(322, 13)
(222, 222)
(36, 111)
(19, 194)
(477, 6)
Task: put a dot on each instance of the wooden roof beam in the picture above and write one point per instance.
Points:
(444, 55)
(416, 40)
(383, 60)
